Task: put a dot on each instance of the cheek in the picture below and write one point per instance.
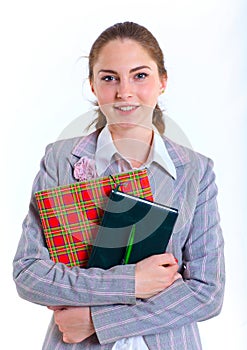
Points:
(149, 94)
(105, 95)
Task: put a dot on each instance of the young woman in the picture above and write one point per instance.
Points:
(156, 303)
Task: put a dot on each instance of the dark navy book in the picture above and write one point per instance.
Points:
(131, 229)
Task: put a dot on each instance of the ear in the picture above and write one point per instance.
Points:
(92, 88)
(163, 83)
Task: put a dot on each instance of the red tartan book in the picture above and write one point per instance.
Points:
(71, 214)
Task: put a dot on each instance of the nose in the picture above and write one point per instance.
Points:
(124, 90)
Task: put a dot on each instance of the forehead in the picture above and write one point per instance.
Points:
(123, 53)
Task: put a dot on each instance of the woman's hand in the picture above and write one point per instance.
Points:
(74, 322)
(152, 275)
(155, 274)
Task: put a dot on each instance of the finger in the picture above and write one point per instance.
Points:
(177, 276)
(55, 308)
(70, 338)
(66, 339)
(58, 317)
(165, 259)
(172, 269)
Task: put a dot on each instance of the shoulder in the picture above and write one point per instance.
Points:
(188, 158)
(60, 157)
(63, 146)
(75, 146)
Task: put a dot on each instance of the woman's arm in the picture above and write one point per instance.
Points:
(76, 322)
(40, 280)
(196, 297)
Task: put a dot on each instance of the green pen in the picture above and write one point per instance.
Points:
(129, 245)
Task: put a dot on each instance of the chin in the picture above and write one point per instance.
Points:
(124, 125)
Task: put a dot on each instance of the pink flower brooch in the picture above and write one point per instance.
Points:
(85, 169)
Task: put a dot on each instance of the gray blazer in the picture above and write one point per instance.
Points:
(167, 320)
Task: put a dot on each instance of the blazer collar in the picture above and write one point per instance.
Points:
(87, 146)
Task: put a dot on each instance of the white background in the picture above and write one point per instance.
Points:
(43, 90)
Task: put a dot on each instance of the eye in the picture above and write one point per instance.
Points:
(141, 76)
(108, 78)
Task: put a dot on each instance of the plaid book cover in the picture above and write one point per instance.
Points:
(71, 214)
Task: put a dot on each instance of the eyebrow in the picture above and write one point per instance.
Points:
(114, 72)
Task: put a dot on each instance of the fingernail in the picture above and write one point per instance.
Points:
(176, 260)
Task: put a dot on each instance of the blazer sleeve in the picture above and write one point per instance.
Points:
(196, 297)
(39, 280)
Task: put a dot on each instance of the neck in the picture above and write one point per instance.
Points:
(133, 143)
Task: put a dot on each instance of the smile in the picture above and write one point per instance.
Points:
(126, 108)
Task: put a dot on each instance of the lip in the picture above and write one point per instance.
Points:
(126, 108)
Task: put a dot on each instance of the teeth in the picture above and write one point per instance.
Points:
(126, 108)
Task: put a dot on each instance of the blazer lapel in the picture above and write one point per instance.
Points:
(179, 155)
(185, 187)
(86, 146)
